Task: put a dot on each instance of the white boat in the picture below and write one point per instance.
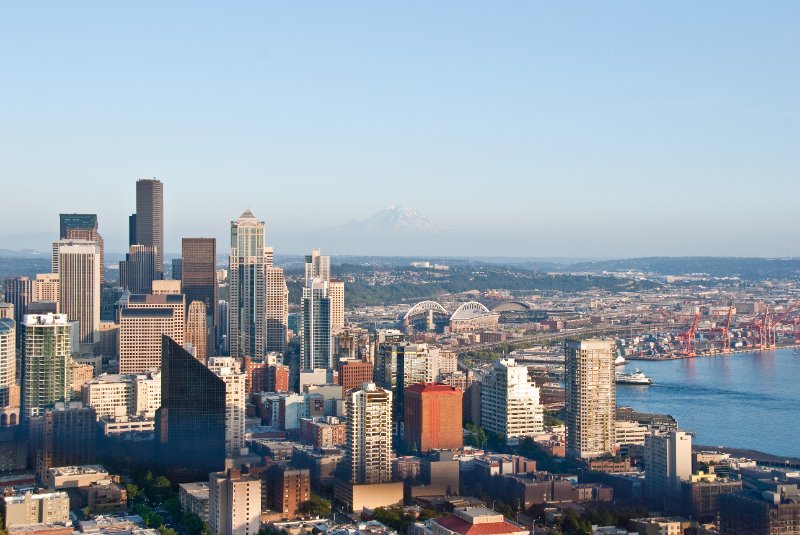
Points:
(620, 360)
(635, 378)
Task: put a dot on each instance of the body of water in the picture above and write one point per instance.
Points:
(743, 400)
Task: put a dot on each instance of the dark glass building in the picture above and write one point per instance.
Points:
(150, 217)
(190, 425)
(76, 221)
(199, 278)
(139, 269)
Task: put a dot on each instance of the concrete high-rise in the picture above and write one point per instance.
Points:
(199, 278)
(64, 435)
(276, 315)
(590, 398)
(150, 218)
(9, 389)
(318, 266)
(432, 419)
(78, 271)
(46, 360)
(142, 323)
(45, 288)
(229, 370)
(190, 424)
(249, 259)
(667, 461)
(510, 402)
(315, 325)
(368, 449)
(196, 323)
(138, 271)
(83, 227)
(234, 503)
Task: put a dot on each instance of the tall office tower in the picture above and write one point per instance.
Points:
(590, 398)
(223, 319)
(150, 218)
(248, 261)
(6, 311)
(45, 287)
(46, 378)
(667, 461)
(196, 329)
(190, 424)
(336, 291)
(19, 292)
(132, 230)
(369, 435)
(177, 268)
(276, 315)
(432, 418)
(138, 271)
(199, 278)
(318, 266)
(79, 285)
(141, 325)
(229, 370)
(510, 402)
(83, 227)
(9, 389)
(234, 503)
(63, 436)
(315, 326)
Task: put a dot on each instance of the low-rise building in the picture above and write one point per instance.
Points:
(194, 498)
(36, 509)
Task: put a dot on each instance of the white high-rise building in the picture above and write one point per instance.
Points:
(46, 360)
(667, 461)
(234, 503)
(229, 370)
(259, 306)
(78, 268)
(315, 326)
(318, 266)
(510, 402)
(369, 435)
(590, 398)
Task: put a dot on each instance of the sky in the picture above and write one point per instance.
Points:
(573, 129)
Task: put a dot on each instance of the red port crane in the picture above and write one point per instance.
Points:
(688, 338)
(726, 333)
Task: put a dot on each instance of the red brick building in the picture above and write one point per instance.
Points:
(432, 417)
(262, 377)
(323, 432)
(354, 373)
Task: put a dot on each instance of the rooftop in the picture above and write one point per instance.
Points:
(78, 470)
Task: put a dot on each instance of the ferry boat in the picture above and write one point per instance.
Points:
(635, 378)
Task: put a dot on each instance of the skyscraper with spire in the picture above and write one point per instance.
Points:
(258, 292)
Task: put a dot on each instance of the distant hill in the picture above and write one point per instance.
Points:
(745, 268)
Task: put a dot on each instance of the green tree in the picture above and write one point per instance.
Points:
(192, 524)
(316, 506)
(164, 530)
(173, 507)
(161, 489)
(133, 492)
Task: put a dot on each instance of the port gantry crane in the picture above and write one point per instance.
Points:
(772, 324)
(688, 339)
(726, 333)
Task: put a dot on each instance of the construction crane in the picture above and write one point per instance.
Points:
(772, 324)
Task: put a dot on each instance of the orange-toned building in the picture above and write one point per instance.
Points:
(432, 417)
(354, 373)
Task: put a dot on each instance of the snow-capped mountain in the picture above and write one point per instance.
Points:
(396, 219)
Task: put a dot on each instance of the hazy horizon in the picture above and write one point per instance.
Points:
(523, 129)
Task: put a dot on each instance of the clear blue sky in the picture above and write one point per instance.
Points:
(538, 129)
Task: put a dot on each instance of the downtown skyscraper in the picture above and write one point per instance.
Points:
(83, 227)
(150, 218)
(315, 326)
(77, 263)
(199, 281)
(259, 298)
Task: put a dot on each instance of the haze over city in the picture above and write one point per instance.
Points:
(521, 129)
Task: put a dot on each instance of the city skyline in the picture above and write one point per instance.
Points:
(653, 128)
